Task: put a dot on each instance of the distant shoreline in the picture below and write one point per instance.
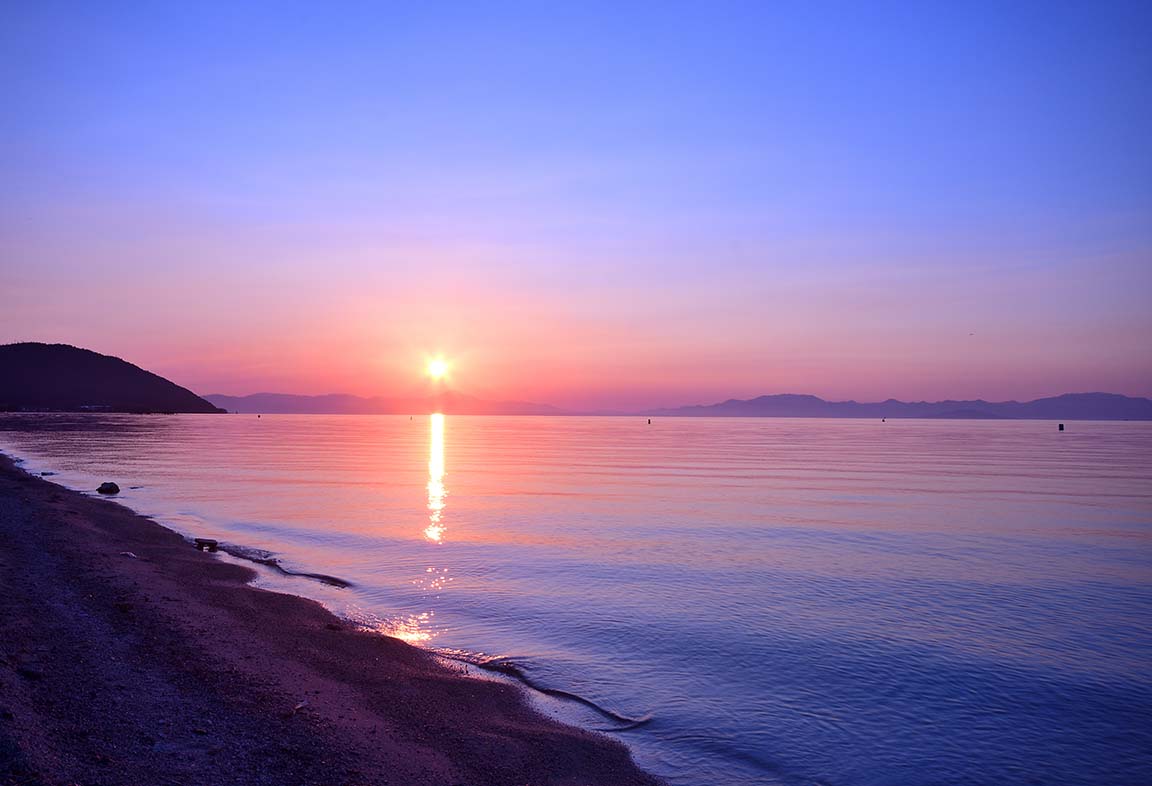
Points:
(1069, 406)
(615, 415)
(176, 670)
(42, 377)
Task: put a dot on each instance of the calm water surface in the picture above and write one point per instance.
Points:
(788, 601)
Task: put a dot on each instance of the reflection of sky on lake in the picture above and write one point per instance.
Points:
(911, 602)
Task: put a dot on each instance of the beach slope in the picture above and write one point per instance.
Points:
(128, 657)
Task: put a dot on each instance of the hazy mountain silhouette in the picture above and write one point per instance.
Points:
(1070, 406)
(63, 378)
(449, 402)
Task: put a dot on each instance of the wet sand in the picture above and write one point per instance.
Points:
(163, 666)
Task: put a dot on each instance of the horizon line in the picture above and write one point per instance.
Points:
(560, 410)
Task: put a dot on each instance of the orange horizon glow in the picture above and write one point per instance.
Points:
(500, 345)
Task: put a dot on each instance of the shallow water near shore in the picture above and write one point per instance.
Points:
(785, 601)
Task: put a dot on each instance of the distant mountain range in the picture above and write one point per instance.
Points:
(450, 403)
(62, 378)
(1070, 406)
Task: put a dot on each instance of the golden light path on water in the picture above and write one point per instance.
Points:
(414, 628)
(436, 491)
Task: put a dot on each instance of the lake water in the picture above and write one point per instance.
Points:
(786, 601)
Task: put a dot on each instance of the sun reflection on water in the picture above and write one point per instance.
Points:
(412, 628)
(436, 491)
(417, 628)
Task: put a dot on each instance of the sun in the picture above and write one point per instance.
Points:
(437, 368)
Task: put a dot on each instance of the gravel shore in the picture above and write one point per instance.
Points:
(129, 657)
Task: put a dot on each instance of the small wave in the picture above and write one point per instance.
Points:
(266, 558)
(501, 665)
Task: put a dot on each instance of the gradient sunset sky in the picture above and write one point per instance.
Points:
(586, 204)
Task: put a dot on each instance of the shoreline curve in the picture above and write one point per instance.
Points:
(131, 657)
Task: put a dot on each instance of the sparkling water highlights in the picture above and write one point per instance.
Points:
(785, 601)
(436, 491)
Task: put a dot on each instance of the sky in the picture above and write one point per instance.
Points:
(593, 205)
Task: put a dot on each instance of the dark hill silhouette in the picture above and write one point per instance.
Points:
(449, 402)
(62, 378)
(1070, 406)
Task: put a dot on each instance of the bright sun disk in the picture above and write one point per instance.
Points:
(437, 368)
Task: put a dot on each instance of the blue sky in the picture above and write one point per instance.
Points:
(722, 198)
